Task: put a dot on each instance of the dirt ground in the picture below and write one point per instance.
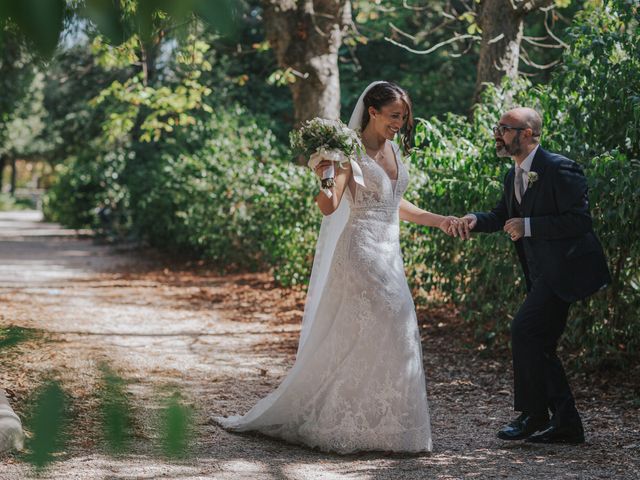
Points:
(225, 341)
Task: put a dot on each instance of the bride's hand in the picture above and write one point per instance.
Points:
(448, 225)
(321, 166)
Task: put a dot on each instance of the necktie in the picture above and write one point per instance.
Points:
(519, 184)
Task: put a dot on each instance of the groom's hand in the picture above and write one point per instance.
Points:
(515, 228)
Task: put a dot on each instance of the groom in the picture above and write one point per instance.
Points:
(545, 211)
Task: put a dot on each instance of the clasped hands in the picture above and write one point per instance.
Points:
(461, 227)
(458, 227)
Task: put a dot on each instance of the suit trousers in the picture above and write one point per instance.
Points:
(540, 382)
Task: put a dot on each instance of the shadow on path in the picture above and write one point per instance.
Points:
(227, 340)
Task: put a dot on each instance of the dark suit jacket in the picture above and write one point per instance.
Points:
(566, 251)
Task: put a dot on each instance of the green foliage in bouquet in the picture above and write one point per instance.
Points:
(319, 133)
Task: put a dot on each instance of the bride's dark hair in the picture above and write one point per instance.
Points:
(383, 94)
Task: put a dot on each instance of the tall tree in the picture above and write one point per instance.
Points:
(502, 25)
(16, 74)
(495, 29)
(305, 36)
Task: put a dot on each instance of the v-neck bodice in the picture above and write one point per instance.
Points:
(380, 190)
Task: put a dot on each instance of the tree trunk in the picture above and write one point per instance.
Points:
(149, 51)
(498, 57)
(13, 176)
(2, 163)
(502, 25)
(305, 36)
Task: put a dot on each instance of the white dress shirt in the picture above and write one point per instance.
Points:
(526, 168)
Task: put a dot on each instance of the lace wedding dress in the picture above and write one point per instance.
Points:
(358, 381)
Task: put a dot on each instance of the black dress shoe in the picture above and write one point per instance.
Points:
(573, 434)
(523, 426)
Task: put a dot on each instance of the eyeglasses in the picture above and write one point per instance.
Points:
(500, 129)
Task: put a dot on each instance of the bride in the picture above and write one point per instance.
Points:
(358, 382)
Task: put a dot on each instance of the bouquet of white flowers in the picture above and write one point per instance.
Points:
(320, 139)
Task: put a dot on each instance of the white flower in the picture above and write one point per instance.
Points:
(533, 177)
(320, 135)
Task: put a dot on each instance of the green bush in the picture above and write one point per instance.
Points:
(593, 102)
(606, 326)
(89, 192)
(453, 175)
(223, 189)
(237, 200)
(7, 203)
(455, 170)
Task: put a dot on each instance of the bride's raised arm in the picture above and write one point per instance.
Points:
(410, 213)
(343, 174)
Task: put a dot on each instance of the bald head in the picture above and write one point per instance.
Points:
(517, 133)
(527, 118)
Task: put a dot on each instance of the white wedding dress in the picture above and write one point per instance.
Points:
(358, 382)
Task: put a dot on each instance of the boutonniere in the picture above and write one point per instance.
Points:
(533, 177)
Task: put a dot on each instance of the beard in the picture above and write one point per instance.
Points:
(509, 150)
(501, 150)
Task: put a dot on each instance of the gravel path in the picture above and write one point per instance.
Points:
(224, 342)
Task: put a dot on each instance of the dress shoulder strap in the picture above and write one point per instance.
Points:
(396, 149)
